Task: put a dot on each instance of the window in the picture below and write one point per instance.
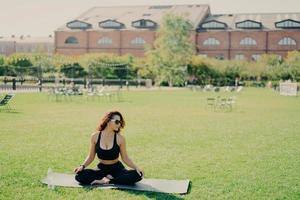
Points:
(76, 24)
(105, 41)
(248, 24)
(213, 25)
(71, 40)
(239, 57)
(287, 41)
(211, 42)
(248, 41)
(288, 24)
(111, 24)
(144, 23)
(219, 57)
(138, 41)
(255, 57)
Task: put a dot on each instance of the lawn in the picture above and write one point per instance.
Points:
(249, 153)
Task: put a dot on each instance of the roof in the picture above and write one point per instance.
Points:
(128, 14)
(267, 20)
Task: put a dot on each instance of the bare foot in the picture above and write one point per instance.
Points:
(104, 180)
(109, 176)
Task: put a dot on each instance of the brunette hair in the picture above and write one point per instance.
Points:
(107, 117)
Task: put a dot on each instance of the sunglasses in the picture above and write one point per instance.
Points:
(116, 121)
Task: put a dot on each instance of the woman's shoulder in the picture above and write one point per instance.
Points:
(94, 136)
(120, 138)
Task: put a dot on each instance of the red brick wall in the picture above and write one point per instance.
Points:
(267, 42)
(128, 35)
(280, 53)
(135, 52)
(276, 36)
(214, 53)
(259, 37)
(222, 36)
(121, 42)
(113, 51)
(247, 54)
(94, 36)
(80, 35)
(71, 51)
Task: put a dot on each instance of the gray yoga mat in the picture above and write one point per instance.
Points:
(151, 185)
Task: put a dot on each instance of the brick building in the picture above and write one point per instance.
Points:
(127, 29)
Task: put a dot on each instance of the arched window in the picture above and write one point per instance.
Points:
(138, 41)
(213, 25)
(111, 24)
(71, 40)
(248, 41)
(287, 41)
(105, 41)
(211, 42)
(288, 24)
(144, 23)
(249, 24)
(76, 24)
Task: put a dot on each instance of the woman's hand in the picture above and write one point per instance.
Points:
(78, 169)
(140, 171)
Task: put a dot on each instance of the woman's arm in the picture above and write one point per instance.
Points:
(91, 155)
(125, 156)
(89, 159)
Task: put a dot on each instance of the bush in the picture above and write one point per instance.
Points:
(73, 71)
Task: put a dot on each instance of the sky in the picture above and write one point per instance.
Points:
(42, 17)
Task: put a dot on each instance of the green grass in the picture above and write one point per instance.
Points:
(250, 153)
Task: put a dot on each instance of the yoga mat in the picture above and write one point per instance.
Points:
(151, 185)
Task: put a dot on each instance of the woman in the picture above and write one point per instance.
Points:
(108, 143)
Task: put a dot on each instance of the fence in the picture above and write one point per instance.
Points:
(34, 84)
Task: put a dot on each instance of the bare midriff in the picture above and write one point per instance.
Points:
(109, 162)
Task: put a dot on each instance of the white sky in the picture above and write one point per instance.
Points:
(42, 17)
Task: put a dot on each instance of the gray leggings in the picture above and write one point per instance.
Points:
(117, 171)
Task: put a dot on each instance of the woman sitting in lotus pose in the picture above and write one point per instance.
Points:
(108, 143)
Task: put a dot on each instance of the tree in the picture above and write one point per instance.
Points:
(2, 70)
(143, 70)
(42, 63)
(172, 50)
(5, 69)
(107, 66)
(21, 63)
(73, 70)
(266, 66)
(200, 71)
(292, 63)
(2, 59)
